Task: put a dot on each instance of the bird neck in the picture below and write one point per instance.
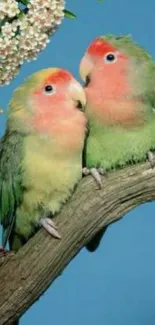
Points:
(127, 112)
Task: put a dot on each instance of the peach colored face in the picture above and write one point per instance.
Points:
(58, 94)
(105, 71)
(56, 97)
(103, 60)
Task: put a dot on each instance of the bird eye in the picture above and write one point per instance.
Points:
(49, 89)
(110, 57)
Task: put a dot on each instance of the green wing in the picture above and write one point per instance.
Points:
(11, 190)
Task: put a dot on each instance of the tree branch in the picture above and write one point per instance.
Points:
(24, 277)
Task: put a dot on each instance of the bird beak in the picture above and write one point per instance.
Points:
(1, 111)
(86, 66)
(77, 94)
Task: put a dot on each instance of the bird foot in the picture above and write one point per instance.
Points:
(4, 252)
(151, 159)
(50, 227)
(96, 174)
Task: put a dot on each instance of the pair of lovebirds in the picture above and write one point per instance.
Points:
(41, 151)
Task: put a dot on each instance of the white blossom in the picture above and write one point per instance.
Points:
(8, 8)
(22, 38)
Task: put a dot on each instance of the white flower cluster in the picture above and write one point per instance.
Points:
(8, 8)
(25, 36)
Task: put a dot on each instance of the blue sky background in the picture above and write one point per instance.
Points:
(116, 284)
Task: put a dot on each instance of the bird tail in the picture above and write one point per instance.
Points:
(95, 241)
(16, 322)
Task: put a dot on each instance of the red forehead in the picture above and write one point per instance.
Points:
(59, 76)
(100, 46)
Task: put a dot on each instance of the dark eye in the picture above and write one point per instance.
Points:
(49, 89)
(110, 57)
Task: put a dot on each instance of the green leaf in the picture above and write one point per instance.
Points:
(24, 2)
(100, 1)
(69, 14)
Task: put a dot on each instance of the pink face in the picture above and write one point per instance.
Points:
(109, 66)
(57, 98)
(57, 106)
(52, 97)
(105, 70)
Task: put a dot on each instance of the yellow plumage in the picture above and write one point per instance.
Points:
(49, 178)
(42, 154)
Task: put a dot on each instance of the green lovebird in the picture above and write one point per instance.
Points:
(119, 81)
(40, 153)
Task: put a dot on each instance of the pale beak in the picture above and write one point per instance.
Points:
(1, 111)
(86, 66)
(77, 94)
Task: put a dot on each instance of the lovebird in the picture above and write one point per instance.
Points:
(40, 153)
(119, 79)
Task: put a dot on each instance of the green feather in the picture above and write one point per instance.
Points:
(10, 180)
(115, 146)
(30, 187)
(112, 147)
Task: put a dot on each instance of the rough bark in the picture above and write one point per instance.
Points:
(24, 277)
